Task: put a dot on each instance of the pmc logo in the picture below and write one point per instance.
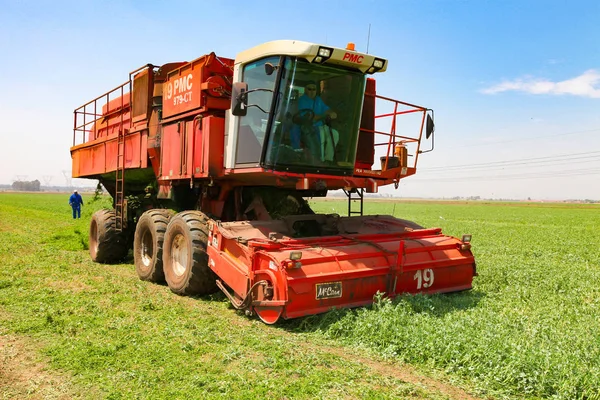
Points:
(179, 85)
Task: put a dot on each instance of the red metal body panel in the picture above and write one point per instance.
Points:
(189, 144)
(184, 89)
(383, 254)
(209, 148)
(232, 262)
(117, 104)
(110, 125)
(100, 156)
(365, 270)
(193, 149)
(173, 136)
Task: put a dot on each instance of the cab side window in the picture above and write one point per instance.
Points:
(252, 127)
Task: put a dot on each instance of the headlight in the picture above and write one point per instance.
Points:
(378, 63)
(324, 52)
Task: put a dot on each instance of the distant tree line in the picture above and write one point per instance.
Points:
(26, 186)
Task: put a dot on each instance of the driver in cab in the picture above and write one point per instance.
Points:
(316, 136)
(310, 101)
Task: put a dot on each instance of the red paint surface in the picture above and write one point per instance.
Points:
(365, 263)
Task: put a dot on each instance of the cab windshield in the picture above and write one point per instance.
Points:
(316, 119)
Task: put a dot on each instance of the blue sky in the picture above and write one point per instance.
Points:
(515, 85)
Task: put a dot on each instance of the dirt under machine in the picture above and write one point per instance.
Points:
(210, 162)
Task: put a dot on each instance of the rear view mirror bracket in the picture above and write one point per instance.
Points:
(239, 99)
(429, 131)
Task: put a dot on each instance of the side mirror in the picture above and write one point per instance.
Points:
(270, 68)
(430, 127)
(429, 130)
(239, 99)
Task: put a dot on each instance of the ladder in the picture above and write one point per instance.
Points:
(120, 181)
(120, 204)
(355, 198)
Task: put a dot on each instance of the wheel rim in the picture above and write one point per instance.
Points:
(179, 255)
(147, 248)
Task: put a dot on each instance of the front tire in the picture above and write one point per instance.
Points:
(185, 262)
(148, 244)
(107, 246)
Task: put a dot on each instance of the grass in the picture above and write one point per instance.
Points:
(529, 329)
(116, 337)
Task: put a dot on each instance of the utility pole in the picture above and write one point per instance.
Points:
(68, 179)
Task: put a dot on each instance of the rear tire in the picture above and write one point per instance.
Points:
(185, 261)
(107, 246)
(148, 244)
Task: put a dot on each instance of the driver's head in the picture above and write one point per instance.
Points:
(311, 89)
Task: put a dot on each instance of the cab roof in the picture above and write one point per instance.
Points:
(310, 52)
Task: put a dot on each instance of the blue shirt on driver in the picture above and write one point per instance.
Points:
(317, 106)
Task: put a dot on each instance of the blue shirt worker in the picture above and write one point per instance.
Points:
(310, 101)
(311, 106)
(75, 201)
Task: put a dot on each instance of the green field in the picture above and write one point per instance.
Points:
(530, 328)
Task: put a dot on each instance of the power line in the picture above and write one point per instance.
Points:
(523, 139)
(559, 157)
(540, 164)
(538, 175)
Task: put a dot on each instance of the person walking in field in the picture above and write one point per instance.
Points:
(75, 201)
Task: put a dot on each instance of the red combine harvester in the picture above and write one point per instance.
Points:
(209, 163)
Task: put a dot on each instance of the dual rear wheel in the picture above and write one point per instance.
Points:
(173, 248)
(166, 247)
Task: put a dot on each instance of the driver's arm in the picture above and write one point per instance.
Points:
(327, 113)
(324, 111)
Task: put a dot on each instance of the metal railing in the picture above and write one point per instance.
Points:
(89, 116)
(388, 138)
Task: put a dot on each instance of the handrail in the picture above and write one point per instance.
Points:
(86, 119)
(391, 138)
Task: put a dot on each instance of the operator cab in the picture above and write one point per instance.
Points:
(296, 107)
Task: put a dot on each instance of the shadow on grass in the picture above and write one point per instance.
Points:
(433, 306)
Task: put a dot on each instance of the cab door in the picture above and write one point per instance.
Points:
(252, 127)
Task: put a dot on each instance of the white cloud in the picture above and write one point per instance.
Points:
(584, 85)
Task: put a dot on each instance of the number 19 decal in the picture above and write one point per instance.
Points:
(424, 278)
